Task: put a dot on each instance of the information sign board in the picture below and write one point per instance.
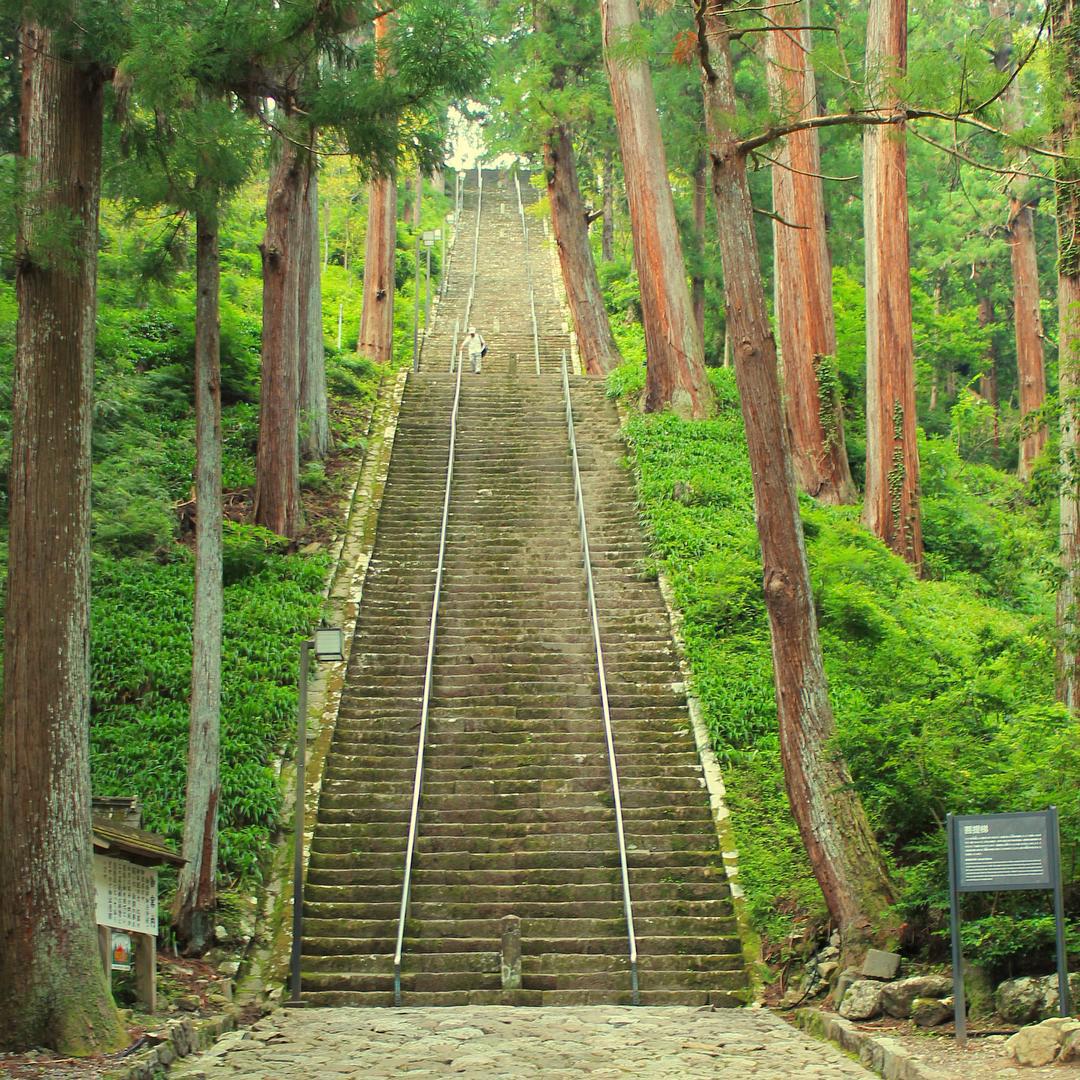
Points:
(995, 852)
(126, 895)
(1003, 851)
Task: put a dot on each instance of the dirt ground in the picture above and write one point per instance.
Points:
(185, 988)
(983, 1059)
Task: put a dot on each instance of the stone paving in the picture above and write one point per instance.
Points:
(498, 1041)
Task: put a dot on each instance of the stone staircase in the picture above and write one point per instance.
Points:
(501, 309)
(516, 814)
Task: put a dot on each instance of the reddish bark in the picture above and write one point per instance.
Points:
(676, 376)
(829, 814)
(377, 311)
(892, 458)
(196, 892)
(804, 310)
(52, 985)
(1031, 371)
(277, 462)
(599, 353)
(1064, 25)
(1027, 319)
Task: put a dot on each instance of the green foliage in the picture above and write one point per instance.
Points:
(942, 689)
(141, 648)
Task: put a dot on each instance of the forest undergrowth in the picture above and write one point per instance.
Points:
(943, 688)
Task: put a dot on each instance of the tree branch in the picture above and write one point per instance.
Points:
(872, 118)
(803, 172)
(777, 217)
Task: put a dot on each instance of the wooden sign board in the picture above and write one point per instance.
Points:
(126, 895)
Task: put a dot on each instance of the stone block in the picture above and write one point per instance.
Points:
(879, 964)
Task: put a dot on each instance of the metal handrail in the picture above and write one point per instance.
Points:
(609, 737)
(425, 704)
(528, 271)
(475, 258)
(476, 244)
(453, 343)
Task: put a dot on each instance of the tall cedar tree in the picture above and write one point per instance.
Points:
(1065, 28)
(697, 280)
(892, 453)
(804, 308)
(315, 438)
(1027, 319)
(377, 310)
(569, 223)
(607, 236)
(676, 377)
(52, 985)
(599, 353)
(831, 820)
(277, 461)
(196, 892)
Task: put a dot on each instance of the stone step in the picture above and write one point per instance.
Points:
(531, 913)
(515, 814)
(648, 945)
(537, 998)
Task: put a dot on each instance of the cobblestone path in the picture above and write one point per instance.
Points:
(496, 1041)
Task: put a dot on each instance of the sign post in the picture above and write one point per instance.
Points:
(1003, 852)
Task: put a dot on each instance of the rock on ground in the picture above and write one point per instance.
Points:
(862, 1000)
(898, 997)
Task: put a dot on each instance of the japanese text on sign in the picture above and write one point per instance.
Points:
(126, 895)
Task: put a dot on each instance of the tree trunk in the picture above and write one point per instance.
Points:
(829, 814)
(804, 309)
(377, 311)
(418, 199)
(277, 464)
(1030, 368)
(607, 236)
(892, 457)
(676, 376)
(1064, 26)
(315, 439)
(599, 352)
(988, 383)
(1027, 319)
(697, 283)
(52, 987)
(196, 892)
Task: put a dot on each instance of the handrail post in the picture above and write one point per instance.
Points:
(594, 618)
(425, 704)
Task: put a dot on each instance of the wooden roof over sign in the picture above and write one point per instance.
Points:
(136, 845)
